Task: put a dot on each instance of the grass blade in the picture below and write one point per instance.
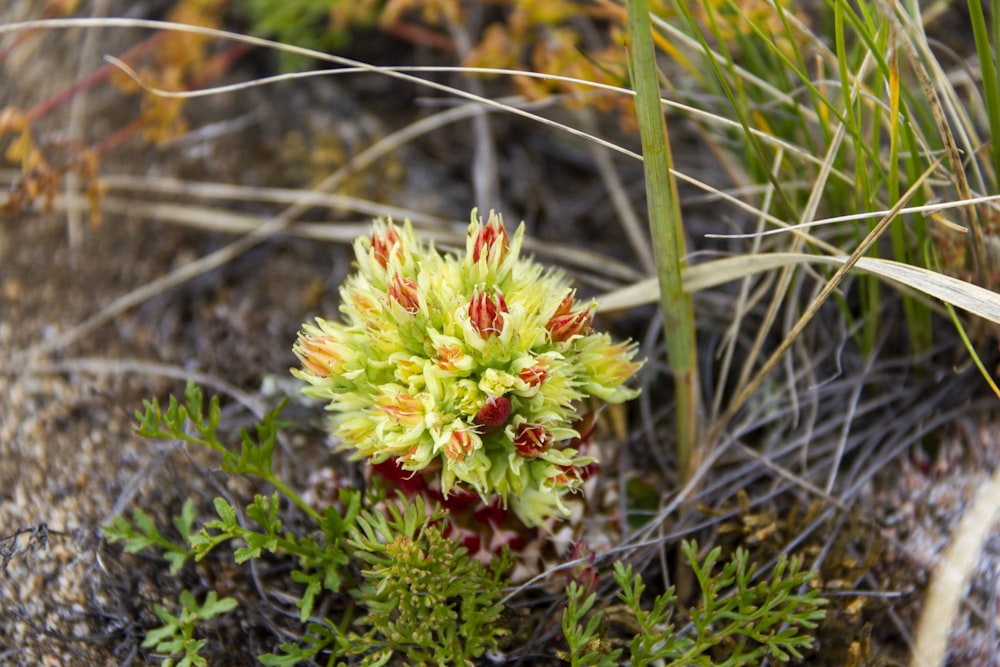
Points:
(667, 230)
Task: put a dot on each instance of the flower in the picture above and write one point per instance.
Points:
(486, 313)
(469, 370)
(490, 243)
(493, 414)
(384, 242)
(532, 440)
(404, 292)
(566, 322)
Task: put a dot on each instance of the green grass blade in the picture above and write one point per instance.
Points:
(666, 227)
(988, 67)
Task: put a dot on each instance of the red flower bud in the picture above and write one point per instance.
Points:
(492, 415)
(571, 475)
(404, 292)
(384, 242)
(565, 305)
(402, 408)
(564, 327)
(490, 235)
(458, 446)
(319, 355)
(447, 356)
(486, 313)
(534, 376)
(532, 440)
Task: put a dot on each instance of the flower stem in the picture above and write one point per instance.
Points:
(294, 497)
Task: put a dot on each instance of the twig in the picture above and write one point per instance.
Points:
(952, 575)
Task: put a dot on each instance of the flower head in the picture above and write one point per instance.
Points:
(468, 369)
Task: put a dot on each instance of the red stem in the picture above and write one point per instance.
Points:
(90, 81)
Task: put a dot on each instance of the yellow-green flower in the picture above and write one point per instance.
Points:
(470, 367)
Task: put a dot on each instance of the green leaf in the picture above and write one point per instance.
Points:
(188, 601)
(256, 542)
(319, 637)
(184, 521)
(203, 542)
(177, 559)
(313, 587)
(215, 606)
(194, 400)
(168, 629)
(144, 523)
(191, 654)
(175, 637)
(378, 658)
(119, 529)
(264, 510)
(172, 646)
(226, 514)
(292, 655)
(149, 421)
(255, 456)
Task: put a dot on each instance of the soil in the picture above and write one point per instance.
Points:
(69, 460)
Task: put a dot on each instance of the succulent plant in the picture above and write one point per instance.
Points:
(471, 368)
